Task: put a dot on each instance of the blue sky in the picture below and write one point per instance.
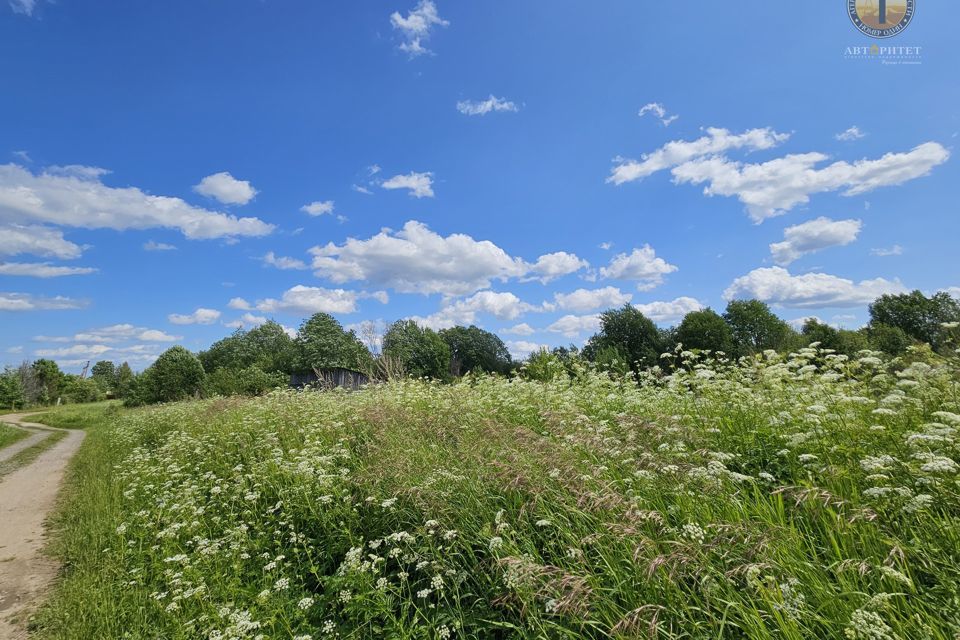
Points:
(477, 163)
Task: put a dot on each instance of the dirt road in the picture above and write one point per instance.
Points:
(27, 496)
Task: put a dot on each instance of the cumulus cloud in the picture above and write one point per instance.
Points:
(501, 305)
(77, 197)
(247, 321)
(583, 300)
(418, 260)
(555, 265)
(225, 188)
(522, 329)
(417, 26)
(113, 333)
(851, 134)
(483, 107)
(672, 154)
(284, 263)
(239, 303)
(420, 185)
(521, 349)
(17, 239)
(79, 354)
(573, 326)
(641, 265)
(310, 300)
(318, 208)
(151, 245)
(671, 311)
(200, 316)
(814, 236)
(42, 270)
(773, 188)
(659, 111)
(776, 285)
(777, 186)
(29, 302)
(883, 252)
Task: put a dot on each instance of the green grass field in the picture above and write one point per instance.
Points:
(79, 416)
(814, 497)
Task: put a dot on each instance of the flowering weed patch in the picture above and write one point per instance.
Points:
(804, 497)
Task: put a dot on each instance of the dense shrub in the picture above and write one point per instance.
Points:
(251, 381)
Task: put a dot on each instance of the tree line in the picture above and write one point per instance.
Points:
(251, 362)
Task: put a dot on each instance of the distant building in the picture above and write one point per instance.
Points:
(333, 378)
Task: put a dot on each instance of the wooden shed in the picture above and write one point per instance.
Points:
(334, 378)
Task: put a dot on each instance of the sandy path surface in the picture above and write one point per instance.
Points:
(27, 496)
(35, 436)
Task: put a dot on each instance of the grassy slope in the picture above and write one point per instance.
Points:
(79, 416)
(773, 501)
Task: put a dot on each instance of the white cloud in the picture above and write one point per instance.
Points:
(155, 335)
(777, 286)
(813, 236)
(113, 333)
(41, 270)
(606, 246)
(522, 329)
(583, 300)
(420, 185)
(797, 323)
(520, 349)
(284, 263)
(669, 311)
(16, 239)
(501, 305)
(572, 326)
(24, 7)
(418, 260)
(79, 354)
(953, 291)
(239, 303)
(77, 198)
(677, 152)
(309, 300)
(225, 188)
(554, 265)
(417, 26)
(150, 245)
(883, 252)
(200, 316)
(247, 321)
(318, 208)
(641, 265)
(851, 134)
(483, 107)
(659, 111)
(361, 189)
(29, 302)
(773, 188)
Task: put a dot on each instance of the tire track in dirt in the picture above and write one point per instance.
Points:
(27, 497)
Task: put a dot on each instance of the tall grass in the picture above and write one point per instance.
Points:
(809, 497)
